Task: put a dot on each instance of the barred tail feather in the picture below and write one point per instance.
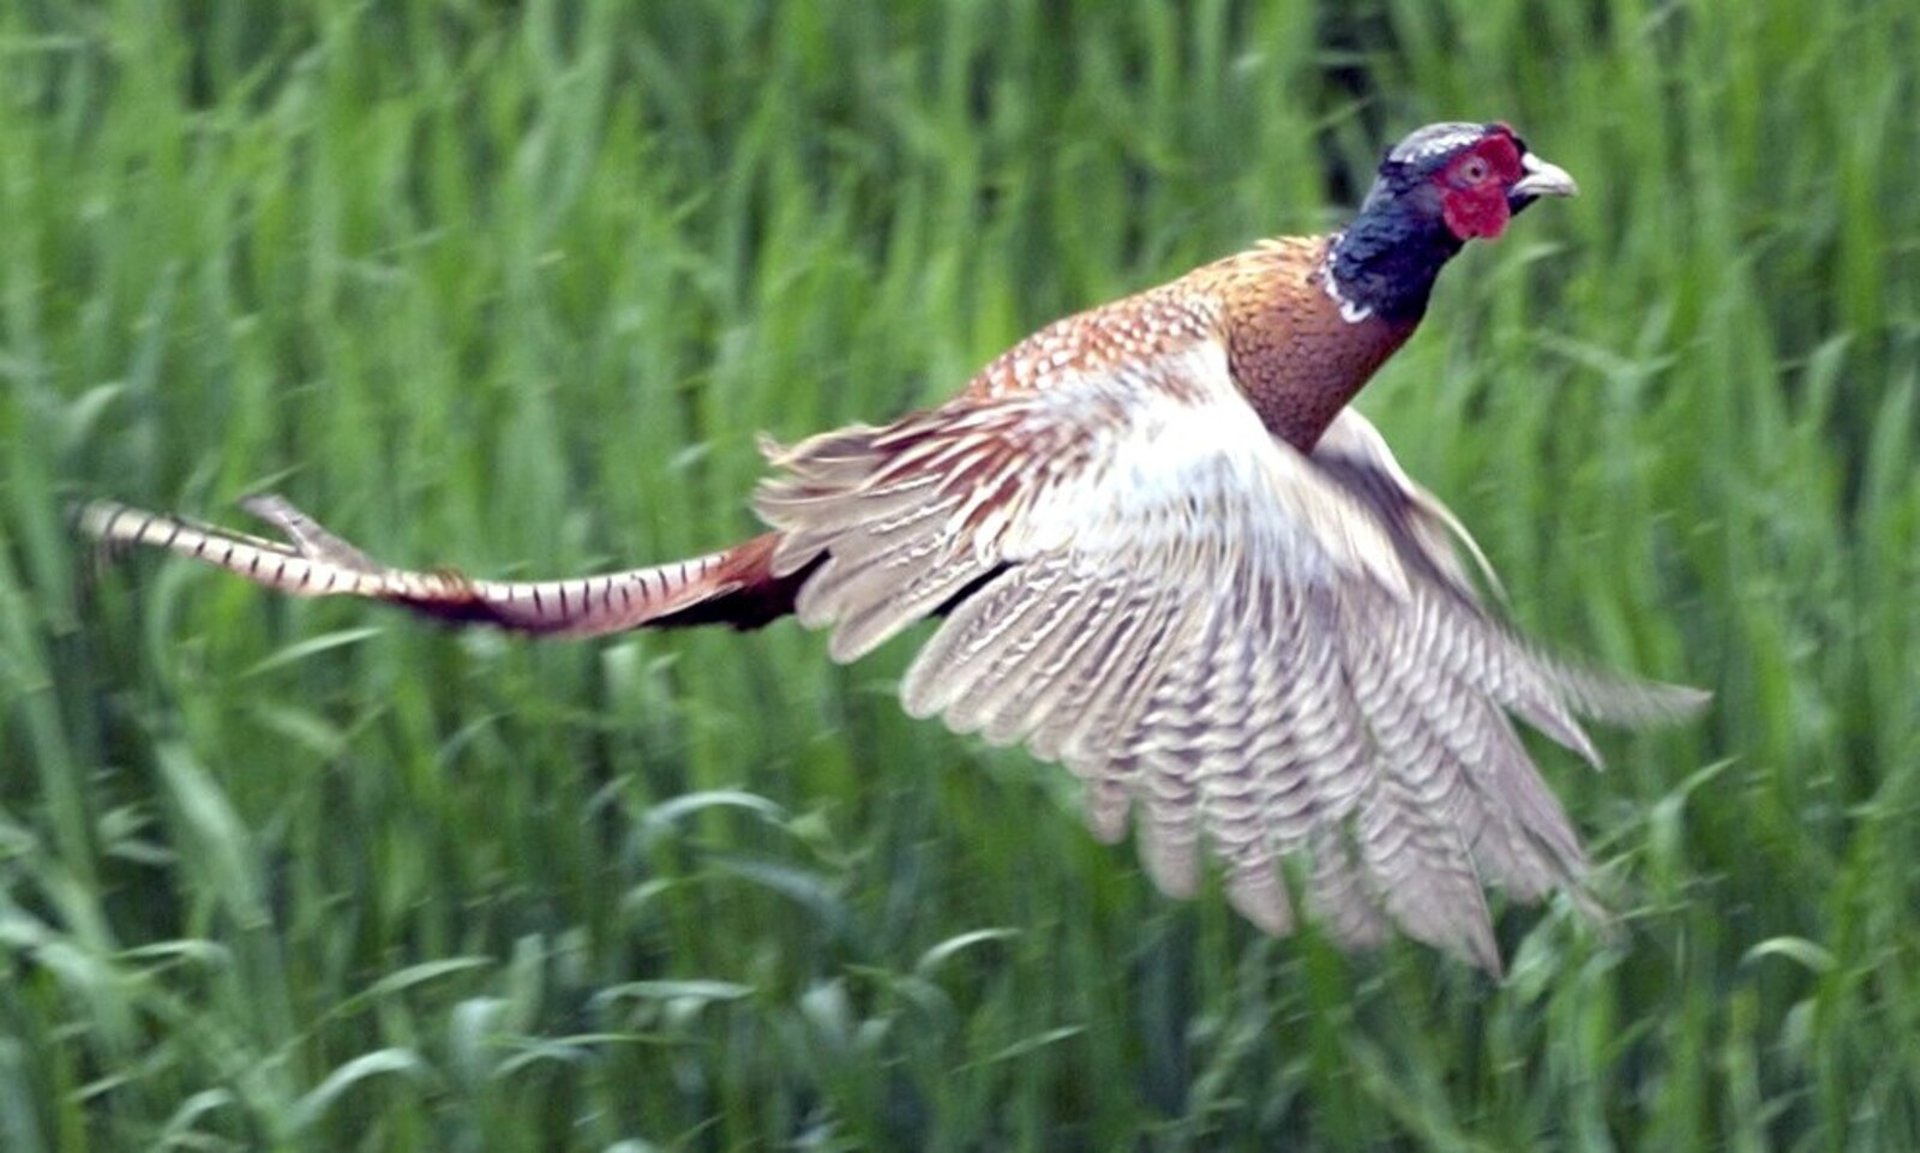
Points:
(735, 586)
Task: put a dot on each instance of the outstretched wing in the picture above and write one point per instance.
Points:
(1264, 653)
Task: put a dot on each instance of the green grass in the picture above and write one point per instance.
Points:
(514, 287)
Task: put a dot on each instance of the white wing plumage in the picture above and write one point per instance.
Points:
(1262, 653)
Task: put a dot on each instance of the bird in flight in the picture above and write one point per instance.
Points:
(1164, 553)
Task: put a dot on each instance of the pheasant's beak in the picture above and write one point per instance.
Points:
(1541, 179)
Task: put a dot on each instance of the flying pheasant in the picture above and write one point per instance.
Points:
(1167, 555)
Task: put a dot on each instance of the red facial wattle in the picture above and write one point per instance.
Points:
(1474, 188)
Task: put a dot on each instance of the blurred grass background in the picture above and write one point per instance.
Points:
(513, 286)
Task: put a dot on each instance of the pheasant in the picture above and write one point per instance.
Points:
(1165, 553)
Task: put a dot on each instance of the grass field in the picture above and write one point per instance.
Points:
(513, 287)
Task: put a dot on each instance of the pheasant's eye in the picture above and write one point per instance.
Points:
(1475, 170)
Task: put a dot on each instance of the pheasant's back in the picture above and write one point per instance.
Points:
(1295, 356)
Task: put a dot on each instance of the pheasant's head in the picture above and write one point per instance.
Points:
(1442, 186)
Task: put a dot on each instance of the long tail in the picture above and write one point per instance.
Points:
(735, 587)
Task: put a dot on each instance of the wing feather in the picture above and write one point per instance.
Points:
(1264, 654)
